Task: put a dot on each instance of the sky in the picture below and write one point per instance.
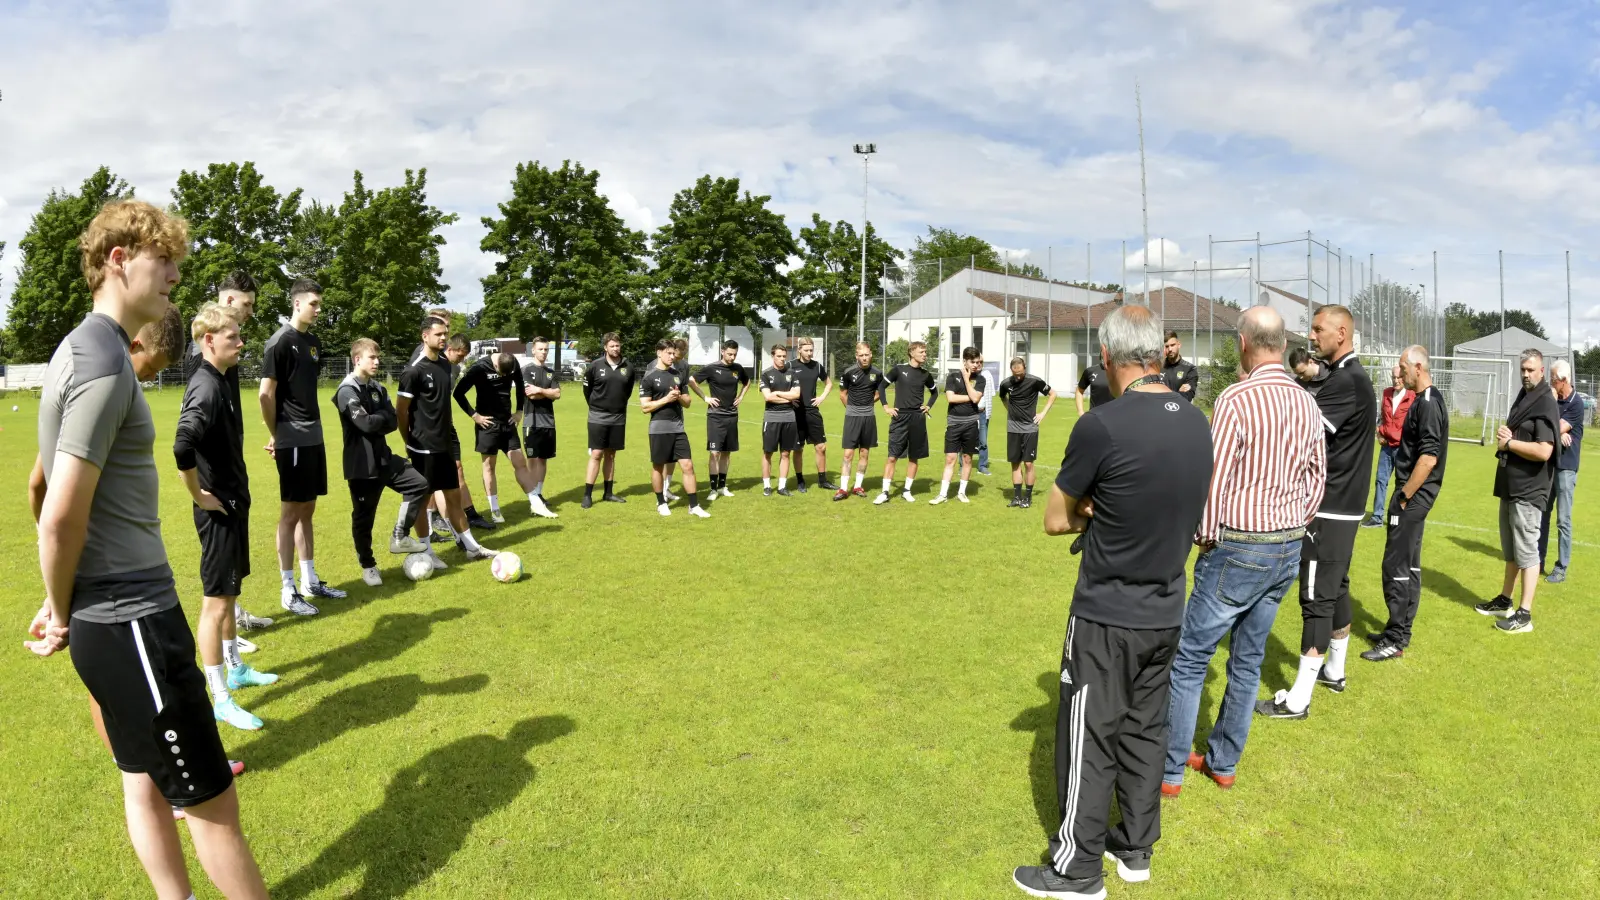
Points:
(1389, 132)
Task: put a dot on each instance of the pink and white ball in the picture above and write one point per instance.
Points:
(506, 567)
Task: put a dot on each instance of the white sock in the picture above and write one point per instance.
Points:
(766, 482)
(400, 517)
(288, 578)
(962, 489)
(533, 496)
(217, 680)
(308, 572)
(783, 483)
(1300, 695)
(538, 488)
(860, 477)
(1336, 651)
(468, 540)
(427, 544)
(908, 485)
(230, 654)
(944, 487)
(888, 485)
(494, 502)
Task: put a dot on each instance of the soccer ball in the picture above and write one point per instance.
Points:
(417, 566)
(506, 567)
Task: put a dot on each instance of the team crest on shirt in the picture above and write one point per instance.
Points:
(312, 353)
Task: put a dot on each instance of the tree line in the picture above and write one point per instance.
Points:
(565, 262)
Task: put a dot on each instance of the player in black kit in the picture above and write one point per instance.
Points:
(859, 388)
(778, 432)
(908, 418)
(963, 391)
(662, 396)
(808, 373)
(606, 385)
(540, 390)
(1020, 393)
(1178, 373)
(498, 382)
(728, 381)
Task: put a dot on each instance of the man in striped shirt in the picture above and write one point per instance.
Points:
(1271, 462)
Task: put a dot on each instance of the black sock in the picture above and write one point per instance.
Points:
(800, 478)
(661, 497)
(588, 489)
(1029, 489)
(694, 500)
(1016, 492)
(608, 489)
(471, 513)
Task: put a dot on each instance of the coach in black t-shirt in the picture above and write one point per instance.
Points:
(963, 391)
(728, 381)
(1093, 382)
(908, 418)
(1179, 374)
(607, 384)
(1020, 393)
(1134, 480)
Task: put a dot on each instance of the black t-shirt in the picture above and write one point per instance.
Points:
(1426, 432)
(497, 394)
(724, 382)
(861, 387)
(293, 358)
(1148, 496)
(608, 387)
(539, 412)
(191, 364)
(954, 382)
(909, 384)
(780, 381)
(807, 375)
(1529, 480)
(1179, 374)
(426, 384)
(1094, 381)
(1350, 420)
(656, 385)
(1021, 397)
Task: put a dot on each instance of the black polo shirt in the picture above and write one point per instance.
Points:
(497, 394)
(807, 375)
(724, 382)
(608, 388)
(1350, 420)
(1021, 397)
(539, 412)
(779, 381)
(1181, 373)
(656, 385)
(293, 358)
(954, 382)
(426, 384)
(1426, 432)
(1148, 495)
(861, 387)
(1095, 381)
(909, 384)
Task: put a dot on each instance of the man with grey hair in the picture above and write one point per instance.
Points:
(1134, 484)
(1526, 446)
(1270, 464)
(1570, 405)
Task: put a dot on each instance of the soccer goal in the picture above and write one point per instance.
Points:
(1473, 389)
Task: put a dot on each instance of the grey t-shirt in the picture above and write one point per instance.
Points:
(92, 407)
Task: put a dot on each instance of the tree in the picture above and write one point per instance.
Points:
(236, 221)
(385, 269)
(567, 261)
(1463, 324)
(312, 245)
(718, 258)
(1458, 326)
(51, 296)
(1223, 368)
(828, 283)
(956, 249)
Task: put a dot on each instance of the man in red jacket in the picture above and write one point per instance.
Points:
(1392, 416)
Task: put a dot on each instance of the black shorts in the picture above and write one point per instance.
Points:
(722, 434)
(608, 437)
(808, 424)
(908, 435)
(302, 473)
(224, 550)
(779, 437)
(961, 436)
(540, 443)
(455, 445)
(860, 432)
(438, 468)
(668, 448)
(498, 439)
(1022, 448)
(1325, 554)
(153, 698)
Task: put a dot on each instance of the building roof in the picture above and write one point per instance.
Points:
(1516, 341)
(1176, 305)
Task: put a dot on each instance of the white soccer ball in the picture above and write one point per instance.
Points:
(417, 566)
(506, 567)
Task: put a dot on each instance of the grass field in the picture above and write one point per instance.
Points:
(798, 698)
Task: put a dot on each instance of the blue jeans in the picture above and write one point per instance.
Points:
(1237, 588)
(983, 440)
(1566, 488)
(1385, 469)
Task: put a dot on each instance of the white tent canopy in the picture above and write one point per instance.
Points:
(1508, 345)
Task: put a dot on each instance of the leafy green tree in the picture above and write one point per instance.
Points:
(1223, 369)
(567, 261)
(1488, 322)
(827, 285)
(313, 243)
(236, 221)
(955, 249)
(718, 258)
(51, 297)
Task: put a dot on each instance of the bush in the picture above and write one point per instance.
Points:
(1223, 369)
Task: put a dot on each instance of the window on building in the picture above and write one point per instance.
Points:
(977, 338)
(955, 342)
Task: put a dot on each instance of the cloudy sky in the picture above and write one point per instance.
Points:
(1398, 130)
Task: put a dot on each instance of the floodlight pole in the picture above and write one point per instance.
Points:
(866, 151)
(1144, 196)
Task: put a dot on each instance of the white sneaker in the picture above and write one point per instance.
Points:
(437, 562)
(934, 502)
(371, 577)
(907, 497)
(244, 646)
(497, 517)
(540, 509)
(481, 553)
(669, 495)
(243, 619)
(880, 499)
(663, 509)
(726, 492)
(963, 498)
(699, 511)
(406, 544)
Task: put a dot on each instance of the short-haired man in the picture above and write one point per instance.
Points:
(106, 575)
(290, 367)
(1269, 459)
(1526, 447)
(1093, 384)
(728, 380)
(963, 390)
(540, 390)
(680, 367)
(808, 373)
(1394, 405)
(1308, 370)
(860, 386)
(1137, 502)
(1419, 473)
(1179, 374)
(1350, 418)
(423, 414)
(367, 417)
(607, 384)
(209, 450)
(1570, 405)
(455, 350)
(495, 421)
(908, 418)
(778, 432)
(1020, 393)
(663, 398)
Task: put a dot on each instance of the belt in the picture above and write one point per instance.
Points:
(1262, 537)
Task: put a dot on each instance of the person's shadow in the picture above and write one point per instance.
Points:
(428, 810)
(392, 634)
(1473, 546)
(1041, 720)
(372, 703)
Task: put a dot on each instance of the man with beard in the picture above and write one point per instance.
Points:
(1179, 374)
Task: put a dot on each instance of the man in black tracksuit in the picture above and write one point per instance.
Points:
(1178, 373)
(367, 417)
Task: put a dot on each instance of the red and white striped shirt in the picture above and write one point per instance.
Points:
(1271, 456)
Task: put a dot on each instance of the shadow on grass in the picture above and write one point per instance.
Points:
(1041, 720)
(1475, 546)
(353, 708)
(392, 635)
(428, 810)
(1450, 589)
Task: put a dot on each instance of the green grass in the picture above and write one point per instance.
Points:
(776, 703)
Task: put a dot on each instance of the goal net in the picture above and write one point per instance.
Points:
(1473, 390)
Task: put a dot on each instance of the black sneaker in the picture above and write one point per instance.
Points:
(1042, 881)
(1015, 501)
(586, 502)
(1499, 606)
(1027, 502)
(784, 492)
(1384, 650)
(1517, 622)
(612, 498)
(1273, 708)
(479, 523)
(766, 491)
(827, 485)
(1132, 865)
(1333, 684)
(1372, 523)
(801, 487)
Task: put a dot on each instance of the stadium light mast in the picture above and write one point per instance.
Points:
(865, 151)
(1144, 196)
